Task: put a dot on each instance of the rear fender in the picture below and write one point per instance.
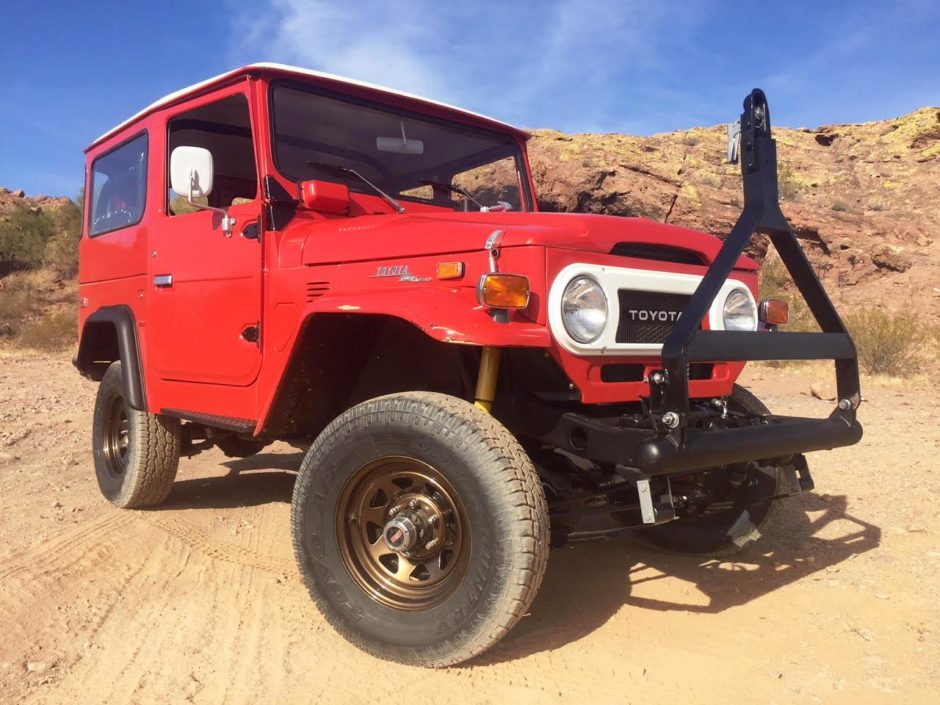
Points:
(110, 334)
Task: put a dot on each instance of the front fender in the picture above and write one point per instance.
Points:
(447, 315)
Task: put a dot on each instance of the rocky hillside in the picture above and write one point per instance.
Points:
(10, 200)
(863, 198)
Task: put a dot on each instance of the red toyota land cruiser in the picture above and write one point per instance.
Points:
(280, 254)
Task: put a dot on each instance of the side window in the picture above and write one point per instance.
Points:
(119, 187)
(224, 128)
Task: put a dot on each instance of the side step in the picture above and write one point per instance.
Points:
(226, 423)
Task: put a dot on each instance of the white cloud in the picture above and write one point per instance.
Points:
(557, 62)
(381, 42)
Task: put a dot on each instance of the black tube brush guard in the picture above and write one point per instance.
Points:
(678, 446)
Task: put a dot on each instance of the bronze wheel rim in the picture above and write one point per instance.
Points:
(117, 436)
(403, 533)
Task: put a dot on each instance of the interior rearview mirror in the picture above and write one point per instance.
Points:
(399, 145)
(191, 171)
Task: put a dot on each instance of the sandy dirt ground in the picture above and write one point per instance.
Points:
(200, 601)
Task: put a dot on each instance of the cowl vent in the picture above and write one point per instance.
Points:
(659, 253)
(316, 289)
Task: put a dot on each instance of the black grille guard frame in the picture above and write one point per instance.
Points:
(677, 446)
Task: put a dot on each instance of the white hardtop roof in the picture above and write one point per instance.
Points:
(296, 71)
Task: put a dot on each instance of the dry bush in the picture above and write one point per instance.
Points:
(24, 233)
(774, 282)
(17, 299)
(15, 306)
(788, 183)
(61, 251)
(33, 237)
(53, 332)
(37, 309)
(774, 279)
(888, 343)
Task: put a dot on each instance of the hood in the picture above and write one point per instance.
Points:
(383, 237)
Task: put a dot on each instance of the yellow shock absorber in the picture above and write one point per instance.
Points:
(486, 379)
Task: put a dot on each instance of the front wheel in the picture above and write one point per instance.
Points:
(136, 453)
(420, 527)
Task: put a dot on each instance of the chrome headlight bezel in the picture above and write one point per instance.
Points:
(585, 330)
(739, 312)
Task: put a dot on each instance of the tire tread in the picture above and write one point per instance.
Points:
(512, 471)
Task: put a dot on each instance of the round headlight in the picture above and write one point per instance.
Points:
(739, 311)
(584, 309)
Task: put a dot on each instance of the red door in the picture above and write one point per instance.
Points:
(205, 298)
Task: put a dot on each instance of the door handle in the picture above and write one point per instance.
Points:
(163, 280)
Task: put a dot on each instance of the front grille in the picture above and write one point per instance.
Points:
(636, 372)
(660, 253)
(648, 316)
(622, 372)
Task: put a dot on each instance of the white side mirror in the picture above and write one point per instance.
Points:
(191, 171)
(191, 176)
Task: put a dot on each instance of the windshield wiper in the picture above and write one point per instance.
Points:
(452, 189)
(346, 170)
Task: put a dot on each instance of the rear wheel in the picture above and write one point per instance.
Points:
(136, 453)
(738, 509)
(420, 528)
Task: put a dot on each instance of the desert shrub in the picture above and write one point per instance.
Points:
(774, 282)
(789, 185)
(24, 235)
(840, 206)
(712, 180)
(61, 251)
(53, 332)
(888, 343)
(16, 303)
(774, 279)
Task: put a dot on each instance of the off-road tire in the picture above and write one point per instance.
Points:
(507, 517)
(151, 456)
(721, 536)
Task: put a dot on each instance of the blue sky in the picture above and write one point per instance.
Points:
(72, 70)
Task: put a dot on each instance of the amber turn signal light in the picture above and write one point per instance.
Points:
(504, 290)
(775, 312)
(449, 270)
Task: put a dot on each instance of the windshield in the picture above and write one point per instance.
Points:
(409, 156)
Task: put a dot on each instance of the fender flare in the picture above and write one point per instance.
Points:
(448, 316)
(125, 328)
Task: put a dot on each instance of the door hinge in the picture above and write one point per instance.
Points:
(252, 333)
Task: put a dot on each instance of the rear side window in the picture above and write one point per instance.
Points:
(119, 187)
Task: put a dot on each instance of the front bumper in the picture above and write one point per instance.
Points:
(607, 442)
